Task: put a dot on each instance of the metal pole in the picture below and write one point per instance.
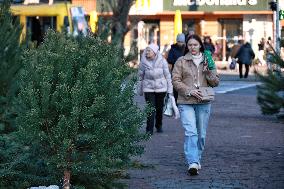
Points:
(278, 33)
(277, 29)
(274, 29)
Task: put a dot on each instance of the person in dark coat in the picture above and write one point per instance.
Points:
(176, 51)
(245, 56)
(208, 45)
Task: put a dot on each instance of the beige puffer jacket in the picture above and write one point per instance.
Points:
(154, 76)
(186, 77)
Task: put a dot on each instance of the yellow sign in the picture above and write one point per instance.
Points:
(177, 23)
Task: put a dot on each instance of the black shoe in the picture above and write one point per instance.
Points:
(193, 169)
(159, 130)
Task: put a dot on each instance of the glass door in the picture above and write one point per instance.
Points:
(148, 32)
(231, 31)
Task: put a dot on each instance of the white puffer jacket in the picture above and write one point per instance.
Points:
(154, 76)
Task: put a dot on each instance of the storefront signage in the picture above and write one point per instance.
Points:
(27, 2)
(214, 2)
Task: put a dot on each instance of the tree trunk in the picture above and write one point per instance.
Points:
(66, 180)
(120, 10)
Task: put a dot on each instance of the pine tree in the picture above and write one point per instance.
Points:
(77, 115)
(10, 52)
(10, 66)
(270, 95)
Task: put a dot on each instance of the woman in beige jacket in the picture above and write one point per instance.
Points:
(154, 81)
(191, 72)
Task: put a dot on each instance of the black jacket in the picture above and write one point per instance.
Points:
(210, 47)
(175, 52)
(245, 54)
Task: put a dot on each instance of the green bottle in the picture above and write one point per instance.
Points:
(210, 61)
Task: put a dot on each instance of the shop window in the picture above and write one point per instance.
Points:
(188, 25)
(38, 26)
(148, 32)
(231, 30)
(15, 18)
(233, 27)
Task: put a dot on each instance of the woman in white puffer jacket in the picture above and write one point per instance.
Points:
(154, 80)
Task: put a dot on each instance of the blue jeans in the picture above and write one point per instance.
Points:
(194, 118)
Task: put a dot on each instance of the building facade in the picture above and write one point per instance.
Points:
(225, 21)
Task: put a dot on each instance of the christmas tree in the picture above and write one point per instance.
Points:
(10, 66)
(270, 95)
(10, 53)
(76, 115)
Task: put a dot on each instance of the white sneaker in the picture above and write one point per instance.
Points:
(193, 169)
(199, 166)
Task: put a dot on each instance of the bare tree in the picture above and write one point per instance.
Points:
(119, 24)
(119, 19)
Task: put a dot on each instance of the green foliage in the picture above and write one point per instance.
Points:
(77, 113)
(10, 66)
(10, 52)
(270, 95)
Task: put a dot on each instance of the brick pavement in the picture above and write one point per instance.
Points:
(244, 150)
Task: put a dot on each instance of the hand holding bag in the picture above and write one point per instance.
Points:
(207, 93)
(168, 108)
(175, 108)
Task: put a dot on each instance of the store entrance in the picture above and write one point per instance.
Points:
(38, 26)
(190, 26)
(231, 31)
(148, 32)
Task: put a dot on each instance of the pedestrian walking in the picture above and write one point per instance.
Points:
(218, 51)
(176, 51)
(260, 55)
(268, 50)
(208, 45)
(154, 81)
(245, 56)
(234, 50)
(189, 33)
(191, 73)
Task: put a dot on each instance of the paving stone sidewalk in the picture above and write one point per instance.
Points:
(244, 150)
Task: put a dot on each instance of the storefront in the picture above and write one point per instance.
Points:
(37, 16)
(225, 21)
